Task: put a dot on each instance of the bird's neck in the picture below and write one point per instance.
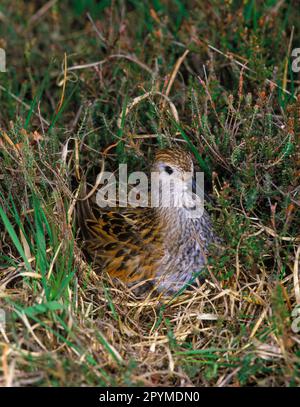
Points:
(174, 221)
(176, 207)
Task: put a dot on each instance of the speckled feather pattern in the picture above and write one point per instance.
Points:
(161, 245)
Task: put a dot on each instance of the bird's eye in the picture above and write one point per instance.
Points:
(168, 170)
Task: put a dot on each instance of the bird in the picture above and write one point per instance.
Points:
(161, 246)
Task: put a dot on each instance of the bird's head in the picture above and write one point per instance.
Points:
(174, 169)
(173, 164)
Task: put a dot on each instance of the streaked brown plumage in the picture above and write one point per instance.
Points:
(161, 244)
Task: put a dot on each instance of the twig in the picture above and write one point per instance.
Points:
(146, 95)
(43, 10)
(104, 61)
(26, 105)
(97, 31)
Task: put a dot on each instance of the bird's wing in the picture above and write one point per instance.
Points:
(126, 243)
